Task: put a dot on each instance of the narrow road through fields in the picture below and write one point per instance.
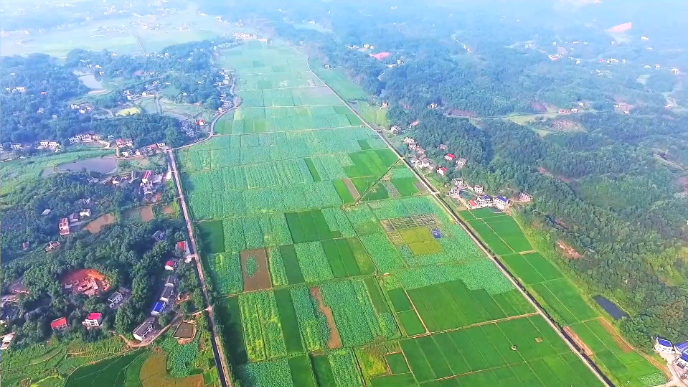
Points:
(587, 361)
(218, 353)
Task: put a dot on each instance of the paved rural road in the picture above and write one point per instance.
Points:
(494, 260)
(218, 353)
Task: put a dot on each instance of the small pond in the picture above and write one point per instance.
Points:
(99, 164)
(610, 308)
(89, 80)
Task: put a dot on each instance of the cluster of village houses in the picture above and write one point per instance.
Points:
(167, 294)
(88, 287)
(680, 351)
(421, 161)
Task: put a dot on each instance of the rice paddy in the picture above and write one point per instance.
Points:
(562, 300)
(329, 266)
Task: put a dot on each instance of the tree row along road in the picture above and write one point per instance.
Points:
(587, 361)
(218, 352)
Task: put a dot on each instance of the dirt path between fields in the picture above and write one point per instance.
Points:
(334, 341)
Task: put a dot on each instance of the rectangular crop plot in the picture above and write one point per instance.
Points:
(288, 320)
(399, 300)
(518, 264)
(507, 229)
(301, 374)
(411, 323)
(308, 226)
(397, 363)
(254, 269)
(543, 266)
(212, 237)
(495, 243)
(323, 371)
(291, 265)
(261, 325)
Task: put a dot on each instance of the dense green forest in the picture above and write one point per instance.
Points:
(614, 188)
(41, 110)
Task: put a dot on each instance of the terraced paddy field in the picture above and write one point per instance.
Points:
(562, 300)
(330, 267)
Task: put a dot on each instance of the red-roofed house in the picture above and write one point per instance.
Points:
(200, 122)
(58, 324)
(472, 203)
(449, 157)
(170, 265)
(146, 176)
(441, 170)
(93, 320)
(181, 245)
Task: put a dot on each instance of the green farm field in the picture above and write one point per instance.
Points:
(562, 300)
(112, 363)
(361, 278)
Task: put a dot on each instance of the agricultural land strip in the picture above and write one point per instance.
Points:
(333, 309)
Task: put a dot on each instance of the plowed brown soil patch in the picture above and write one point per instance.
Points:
(351, 188)
(333, 341)
(625, 347)
(254, 270)
(579, 343)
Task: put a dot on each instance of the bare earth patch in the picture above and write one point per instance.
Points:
(352, 189)
(579, 343)
(333, 341)
(567, 250)
(254, 270)
(167, 210)
(146, 213)
(625, 347)
(98, 223)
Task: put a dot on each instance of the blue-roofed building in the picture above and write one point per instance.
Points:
(682, 361)
(436, 233)
(158, 308)
(681, 347)
(501, 202)
(663, 345)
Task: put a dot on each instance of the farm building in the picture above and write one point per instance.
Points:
(478, 189)
(525, 197)
(184, 247)
(85, 213)
(167, 294)
(484, 201)
(58, 324)
(146, 176)
(143, 330)
(185, 331)
(158, 308)
(682, 361)
(501, 202)
(159, 235)
(170, 265)
(681, 347)
(6, 341)
(63, 226)
(663, 345)
(52, 246)
(449, 157)
(115, 299)
(441, 171)
(460, 163)
(93, 320)
(472, 204)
